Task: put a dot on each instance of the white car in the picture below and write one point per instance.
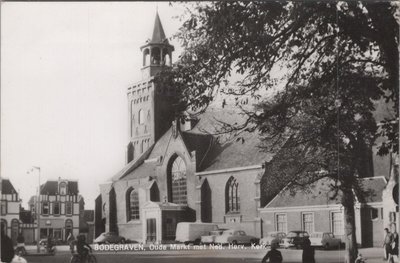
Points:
(210, 239)
(235, 237)
(325, 239)
(274, 236)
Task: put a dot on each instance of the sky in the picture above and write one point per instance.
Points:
(65, 69)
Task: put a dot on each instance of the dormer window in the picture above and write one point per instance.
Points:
(63, 188)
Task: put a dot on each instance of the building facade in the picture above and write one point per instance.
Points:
(59, 208)
(10, 207)
(179, 171)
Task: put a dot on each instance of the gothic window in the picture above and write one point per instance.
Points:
(63, 188)
(232, 196)
(132, 204)
(141, 116)
(177, 182)
(148, 112)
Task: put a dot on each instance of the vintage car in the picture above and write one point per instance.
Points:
(295, 239)
(274, 236)
(210, 238)
(325, 239)
(235, 237)
(109, 238)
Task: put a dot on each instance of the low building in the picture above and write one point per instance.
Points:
(315, 210)
(10, 207)
(59, 208)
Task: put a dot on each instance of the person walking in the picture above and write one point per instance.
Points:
(71, 242)
(394, 249)
(308, 252)
(7, 248)
(387, 243)
(274, 255)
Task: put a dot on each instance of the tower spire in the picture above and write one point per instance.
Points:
(158, 31)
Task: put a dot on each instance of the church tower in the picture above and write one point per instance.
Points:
(150, 105)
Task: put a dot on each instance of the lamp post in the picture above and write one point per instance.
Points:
(37, 208)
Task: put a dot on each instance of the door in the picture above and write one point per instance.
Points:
(151, 230)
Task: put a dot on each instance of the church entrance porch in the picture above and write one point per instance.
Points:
(160, 220)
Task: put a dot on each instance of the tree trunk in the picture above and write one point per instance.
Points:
(349, 226)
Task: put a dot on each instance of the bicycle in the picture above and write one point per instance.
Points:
(76, 258)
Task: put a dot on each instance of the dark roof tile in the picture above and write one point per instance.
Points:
(7, 187)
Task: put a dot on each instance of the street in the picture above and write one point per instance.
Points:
(211, 256)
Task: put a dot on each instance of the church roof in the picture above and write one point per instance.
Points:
(158, 32)
(227, 151)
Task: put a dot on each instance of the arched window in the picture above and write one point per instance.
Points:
(232, 199)
(177, 182)
(63, 188)
(141, 116)
(132, 205)
(156, 56)
(146, 57)
(69, 225)
(14, 229)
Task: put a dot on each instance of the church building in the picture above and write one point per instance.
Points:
(180, 172)
(177, 171)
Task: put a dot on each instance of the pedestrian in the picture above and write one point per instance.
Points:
(394, 250)
(387, 243)
(7, 248)
(71, 242)
(83, 248)
(308, 252)
(395, 243)
(49, 247)
(21, 244)
(274, 255)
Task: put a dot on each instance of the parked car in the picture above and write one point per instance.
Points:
(295, 239)
(235, 237)
(325, 239)
(210, 239)
(275, 236)
(191, 232)
(109, 237)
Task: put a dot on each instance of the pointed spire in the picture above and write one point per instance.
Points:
(158, 31)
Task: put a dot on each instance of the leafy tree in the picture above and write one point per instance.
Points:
(327, 63)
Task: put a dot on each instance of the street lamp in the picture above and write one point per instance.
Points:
(37, 208)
